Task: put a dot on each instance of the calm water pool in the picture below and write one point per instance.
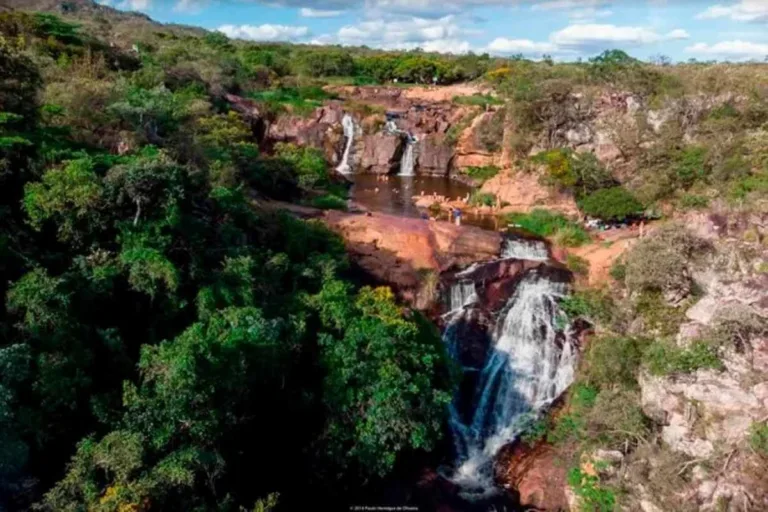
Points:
(394, 196)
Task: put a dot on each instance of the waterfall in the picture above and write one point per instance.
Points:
(406, 163)
(523, 249)
(349, 134)
(530, 363)
(462, 294)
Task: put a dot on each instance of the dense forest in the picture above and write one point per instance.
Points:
(166, 343)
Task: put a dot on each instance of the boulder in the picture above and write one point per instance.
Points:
(397, 251)
(380, 154)
(434, 156)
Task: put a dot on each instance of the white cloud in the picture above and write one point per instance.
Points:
(755, 11)
(524, 46)
(586, 36)
(731, 50)
(309, 12)
(442, 34)
(264, 32)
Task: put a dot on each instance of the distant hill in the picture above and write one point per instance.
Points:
(121, 28)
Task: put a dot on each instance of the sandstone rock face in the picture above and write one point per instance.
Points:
(434, 156)
(380, 153)
(397, 251)
(538, 475)
(523, 192)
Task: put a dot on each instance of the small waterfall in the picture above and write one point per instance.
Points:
(462, 294)
(406, 163)
(349, 134)
(523, 249)
(529, 365)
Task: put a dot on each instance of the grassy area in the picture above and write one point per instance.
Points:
(297, 100)
(329, 202)
(481, 174)
(545, 223)
(478, 100)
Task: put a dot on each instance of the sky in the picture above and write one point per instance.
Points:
(735, 30)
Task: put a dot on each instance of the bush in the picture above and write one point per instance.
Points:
(690, 166)
(329, 202)
(592, 496)
(545, 223)
(618, 270)
(758, 438)
(662, 260)
(577, 265)
(611, 204)
(481, 174)
(693, 202)
(478, 198)
(592, 305)
(491, 131)
(613, 359)
(664, 358)
(581, 173)
(478, 100)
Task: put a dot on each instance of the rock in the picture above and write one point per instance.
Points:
(648, 506)
(538, 475)
(522, 192)
(397, 250)
(381, 153)
(434, 156)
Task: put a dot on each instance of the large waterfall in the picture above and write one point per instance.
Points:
(529, 364)
(348, 124)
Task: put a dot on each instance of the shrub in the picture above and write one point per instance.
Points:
(613, 359)
(758, 438)
(693, 202)
(657, 315)
(595, 306)
(308, 163)
(592, 496)
(664, 358)
(690, 166)
(477, 100)
(478, 198)
(329, 202)
(661, 261)
(545, 223)
(577, 265)
(611, 204)
(481, 174)
(618, 270)
(567, 170)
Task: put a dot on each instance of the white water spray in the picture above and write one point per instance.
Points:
(348, 124)
(522, 249)
(406, 163)
(529, 365)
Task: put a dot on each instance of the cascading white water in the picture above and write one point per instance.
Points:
(529, 365)
(348, 124)
(462, 294)
(523, 249)
(406, 163)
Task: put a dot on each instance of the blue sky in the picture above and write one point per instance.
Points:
(566, 29)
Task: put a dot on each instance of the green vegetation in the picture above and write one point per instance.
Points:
(297, 100)
(577, 265)
(611, 204)
(478, 100)
(664, 358)
(477, 198)
(592, 496)
(661, 261)
(758, 438)
(160, 332)
(480, 174)
(329, 202)
(545, 223)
